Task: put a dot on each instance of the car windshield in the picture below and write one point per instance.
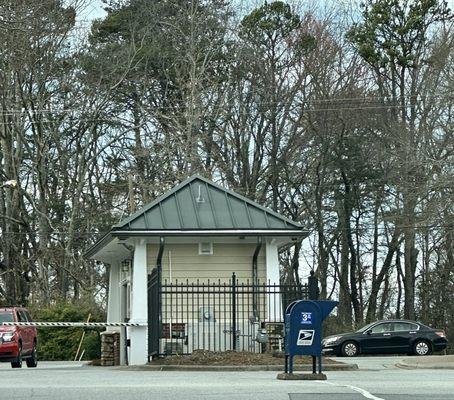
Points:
(6, 317)
(365, 328)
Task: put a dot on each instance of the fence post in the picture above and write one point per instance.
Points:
(312, 283)
(234, 311)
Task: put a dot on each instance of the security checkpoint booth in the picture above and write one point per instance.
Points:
(197, 268)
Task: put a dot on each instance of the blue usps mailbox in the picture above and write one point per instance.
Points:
(303, 331)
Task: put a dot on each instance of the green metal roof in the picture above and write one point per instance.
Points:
(199, 204)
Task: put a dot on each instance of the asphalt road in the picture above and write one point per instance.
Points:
(377, 379)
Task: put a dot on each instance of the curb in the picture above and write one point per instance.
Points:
(234, 368)
(404, 365)
(283, 376)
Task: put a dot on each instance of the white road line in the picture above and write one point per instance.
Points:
(364, 392)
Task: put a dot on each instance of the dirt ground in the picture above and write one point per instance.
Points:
(205, 357)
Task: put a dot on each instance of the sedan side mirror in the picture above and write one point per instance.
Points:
(369, 332)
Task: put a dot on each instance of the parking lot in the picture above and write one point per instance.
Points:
(378, 378)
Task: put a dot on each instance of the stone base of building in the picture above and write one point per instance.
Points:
(110, 349)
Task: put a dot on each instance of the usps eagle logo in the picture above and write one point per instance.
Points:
(305, 337)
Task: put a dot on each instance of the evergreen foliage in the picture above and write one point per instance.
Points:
(56, 344)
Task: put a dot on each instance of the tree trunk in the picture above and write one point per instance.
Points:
(376, 283)
(410, 258)
(347, 214)
(345, 306)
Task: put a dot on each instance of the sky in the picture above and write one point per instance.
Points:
(95, 10)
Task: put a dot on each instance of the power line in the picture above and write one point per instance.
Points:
(296, 102)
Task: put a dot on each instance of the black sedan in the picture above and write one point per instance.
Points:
(393, 336)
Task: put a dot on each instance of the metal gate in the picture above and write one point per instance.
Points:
(216, 316)
(154, 329)
(222, 315)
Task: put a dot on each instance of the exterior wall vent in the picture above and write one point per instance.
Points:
(205, 248)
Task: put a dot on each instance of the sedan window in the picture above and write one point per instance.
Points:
(405, 327)
(380, 328)
(365, 328)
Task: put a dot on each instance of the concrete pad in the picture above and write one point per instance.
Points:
(301, 377)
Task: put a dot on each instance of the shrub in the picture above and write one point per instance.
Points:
(62, 343)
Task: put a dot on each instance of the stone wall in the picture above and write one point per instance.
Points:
(110, 348)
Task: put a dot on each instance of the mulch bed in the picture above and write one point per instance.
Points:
(205, 357)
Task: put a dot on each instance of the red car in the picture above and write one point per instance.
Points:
(17, 342)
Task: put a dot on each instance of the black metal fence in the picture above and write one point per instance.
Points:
(221, 316)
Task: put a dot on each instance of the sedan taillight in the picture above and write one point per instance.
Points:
(440, 333)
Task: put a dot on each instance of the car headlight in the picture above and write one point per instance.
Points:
(331, 340)
(8, 337)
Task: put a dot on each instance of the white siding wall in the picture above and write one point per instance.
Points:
(226, 259)
(182, 311)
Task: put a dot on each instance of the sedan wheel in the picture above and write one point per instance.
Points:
(421, 348)
(350, 349)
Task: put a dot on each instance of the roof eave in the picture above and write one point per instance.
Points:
(211, 232)
(297, 234)
(99, 244)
